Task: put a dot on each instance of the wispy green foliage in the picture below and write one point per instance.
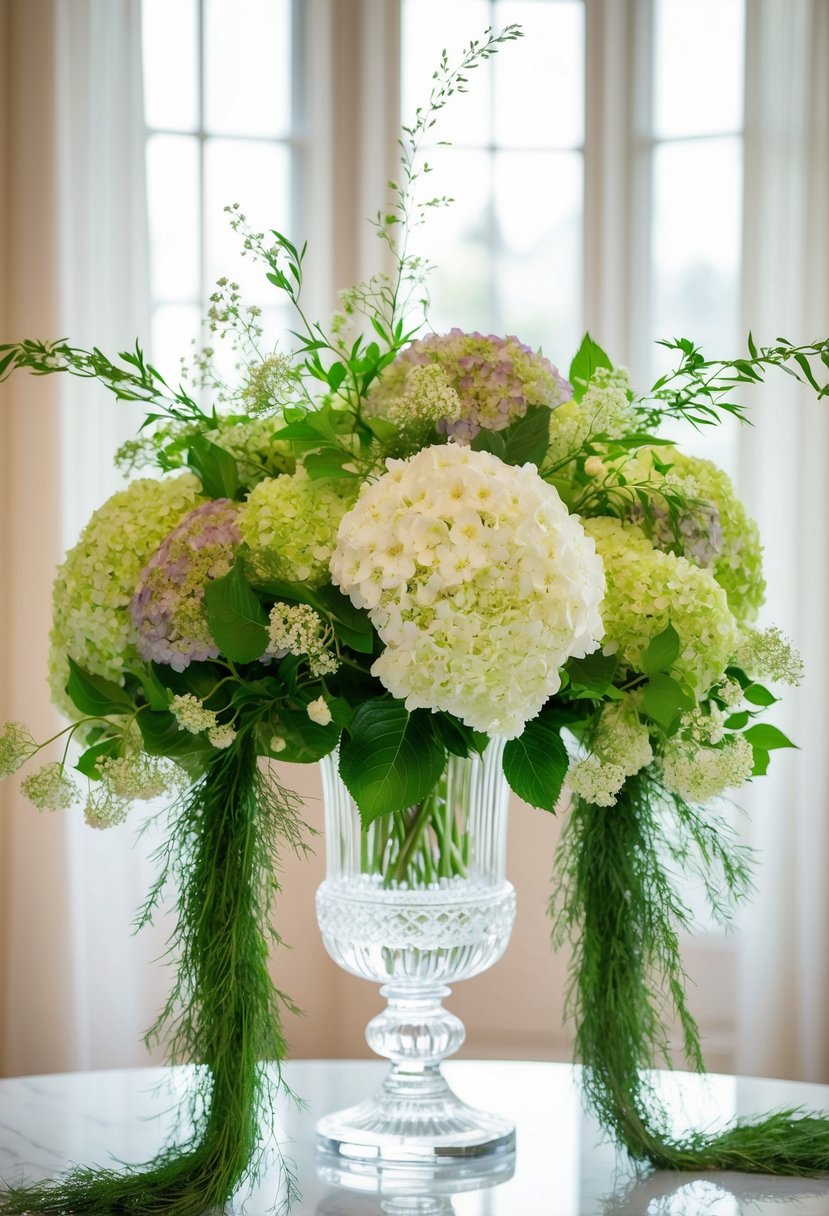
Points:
(617, 901)
(224, 1012)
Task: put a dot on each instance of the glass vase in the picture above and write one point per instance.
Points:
(416, 901)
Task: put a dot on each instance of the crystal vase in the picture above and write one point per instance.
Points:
(414, 902)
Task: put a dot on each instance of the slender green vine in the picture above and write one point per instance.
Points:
(618, 902)
(223, 1014)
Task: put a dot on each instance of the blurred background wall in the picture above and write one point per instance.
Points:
(641, 168)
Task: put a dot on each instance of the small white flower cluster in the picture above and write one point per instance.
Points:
(297, 629)
(16, 747)
(605, 409)
(427, 397)
(478, 581)
(191, 715)
(135, 777)
(621, 747)
(699, 774)
(730, 692)
(49, 789)
(769, 653)
(701, 729)
(318, 711)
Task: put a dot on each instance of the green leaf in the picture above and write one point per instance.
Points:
(756, 694)
(738, 721)
(457, 737)
(536, 763)
(661, 652)
(490, 441)
(587, 359)
(761, 762)
(663, 698)
(329, 462)
(216, 468)
(390, 759)
(336, 375)
(593, 673)
(306, 741)
(235, 616)
(154, 690)
(766, 736)
(88, 760)
(162, 736)
(94, 695)
(351, 624)
(527, 439)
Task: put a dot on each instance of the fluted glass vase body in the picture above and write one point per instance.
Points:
(416, 901)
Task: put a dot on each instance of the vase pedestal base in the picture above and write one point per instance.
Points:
(415, 1119)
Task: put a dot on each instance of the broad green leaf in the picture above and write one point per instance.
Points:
(594, 672)
(88, 760)
(661, 652)
(490, 441)
(216, 468)
(94, 695)
(527, 439)
(306, 741)
(236, 618)
(761, 762)
(586, 360)
(738, 721)
(766, 736)
(336, 375)
(351, 624)
(390, 759)
(457, 737)
(162, 736)
(663, 698)
(330, 462)
(535, 764)
(154, 690)
(756, 694)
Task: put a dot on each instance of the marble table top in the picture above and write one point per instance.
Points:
(562, 1167)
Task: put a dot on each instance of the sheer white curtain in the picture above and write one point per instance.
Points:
(74, 984)
(784, 950)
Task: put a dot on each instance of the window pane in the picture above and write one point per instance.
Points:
(699, 67)
(538, 204)
(170, 49)
(696, 266)
(257, 176)
(696, 242)
(175, 327)
(458, 241)
(247, 67)
(429, 26)
(539, 80)
(173, 202)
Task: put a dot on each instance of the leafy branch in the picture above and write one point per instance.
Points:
(137, 381)
(700, 390)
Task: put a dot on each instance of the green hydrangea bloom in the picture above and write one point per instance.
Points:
(91, 619)
(647, 589)
(737, 557)
(290, 524)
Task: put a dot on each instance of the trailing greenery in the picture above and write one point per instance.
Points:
(223, 1013)
(617, 900)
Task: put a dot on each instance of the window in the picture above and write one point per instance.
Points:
(509, 248)
(222, 109)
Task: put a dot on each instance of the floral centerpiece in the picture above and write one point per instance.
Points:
(405, 544)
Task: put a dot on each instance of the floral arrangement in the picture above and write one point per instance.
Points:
(402, 544)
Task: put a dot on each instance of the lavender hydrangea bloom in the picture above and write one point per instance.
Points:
(496, 379)
(168, 607)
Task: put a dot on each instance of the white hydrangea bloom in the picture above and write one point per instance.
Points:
(596, 781)
(299, 630)
(699, 774)
(621, 748)
(222, 736)
(479, 582)
(319, 712)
